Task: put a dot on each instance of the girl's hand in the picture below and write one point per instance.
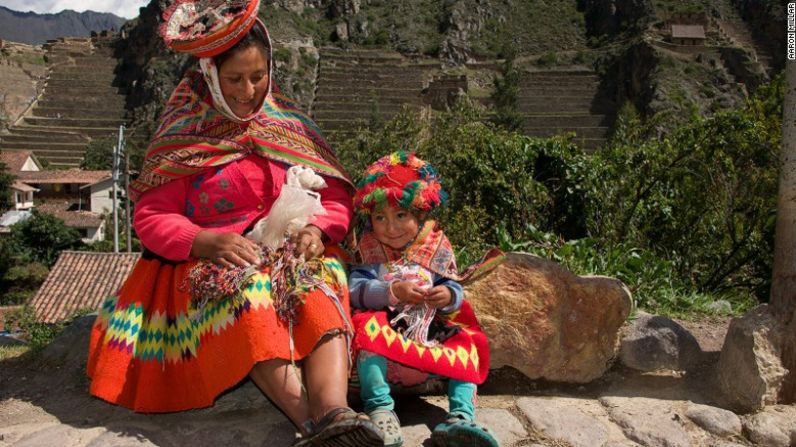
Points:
(226, 249)
(439, 296)
(309, 241)
(407, 292)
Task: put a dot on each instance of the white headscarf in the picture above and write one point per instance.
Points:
(210, 72)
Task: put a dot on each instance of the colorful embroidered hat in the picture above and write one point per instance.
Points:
(206, 28)
(399, 179)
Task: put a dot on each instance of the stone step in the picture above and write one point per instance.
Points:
(72, 122)
(74, 153)
(361, 113)
(56, 59)
(366, 81)
(57, 162)
(41, 145)
(586, 99)
(101, 111)
(68, 84)
(584, 132)
(346, 106)
(564, 81)
(91, 132)
(366, 92)
(559, 73)
(346, 101)
(69, 72)
(67, 101)
(386, 70)
(22, 134)
(556, 90)
(65, 162)
(99, 90)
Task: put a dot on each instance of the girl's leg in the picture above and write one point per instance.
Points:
(375, 390)
(279, 381)
(459, 428)
(461, 399)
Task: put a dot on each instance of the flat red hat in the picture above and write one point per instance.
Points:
(206, 28)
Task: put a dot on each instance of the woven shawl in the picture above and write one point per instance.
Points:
(194, 135)
(432, 250)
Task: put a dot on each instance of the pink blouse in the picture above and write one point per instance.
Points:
(228, 198)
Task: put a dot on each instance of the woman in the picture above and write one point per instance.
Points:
(213, 169)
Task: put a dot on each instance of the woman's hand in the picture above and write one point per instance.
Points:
(439, 296)
(309, 242)
(407, 292)
(227, 249)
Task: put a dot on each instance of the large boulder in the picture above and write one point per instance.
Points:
(547, 322)
(750, 371)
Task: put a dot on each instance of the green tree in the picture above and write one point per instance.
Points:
(6, 180)
(506, 96)
(41, 237)
(99, 154)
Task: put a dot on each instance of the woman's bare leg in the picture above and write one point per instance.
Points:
(278, 380)
(326, 375)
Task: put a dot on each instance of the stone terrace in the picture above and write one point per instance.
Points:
(357, 86)
(79, 103)
(561, 101)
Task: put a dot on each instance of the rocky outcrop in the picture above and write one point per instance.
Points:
(750, 372)
(614, 16)
(23, 70)
(767, 20)
(547, 322)
(294, 5)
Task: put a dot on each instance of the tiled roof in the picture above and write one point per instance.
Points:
(14, 160)
(74, 219)
(63, 176)
(80, 280)
(24, 187)
(688, 31)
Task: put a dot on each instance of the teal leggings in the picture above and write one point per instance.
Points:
(375, 390)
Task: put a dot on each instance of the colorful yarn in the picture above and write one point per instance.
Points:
(291, 278)
(399, 179)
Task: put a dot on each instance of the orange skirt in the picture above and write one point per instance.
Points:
(152, 351)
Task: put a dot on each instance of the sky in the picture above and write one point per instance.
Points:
(122, 8)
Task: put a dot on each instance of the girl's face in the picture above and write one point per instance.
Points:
(244, 80)
(394, 227)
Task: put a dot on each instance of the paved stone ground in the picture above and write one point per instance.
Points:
(43, 402)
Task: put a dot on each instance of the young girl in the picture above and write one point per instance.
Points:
(414, 323)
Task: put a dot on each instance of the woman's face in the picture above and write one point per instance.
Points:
(244, 80)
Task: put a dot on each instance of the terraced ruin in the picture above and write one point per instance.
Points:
(360, 87)
(79, 103)
(558, 102)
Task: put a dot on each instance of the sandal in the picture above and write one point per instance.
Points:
(457, 432)
(387, 421)
(341, 427)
